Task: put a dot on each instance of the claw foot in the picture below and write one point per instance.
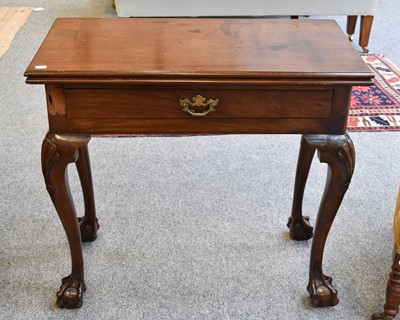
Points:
(300, 229)
(322, 293)
(88, 230)
(70, 294)
(380, 316)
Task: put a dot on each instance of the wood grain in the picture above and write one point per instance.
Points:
(396, 224)
(155, 104)
(77, 49)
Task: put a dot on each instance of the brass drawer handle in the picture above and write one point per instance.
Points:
(198, 101)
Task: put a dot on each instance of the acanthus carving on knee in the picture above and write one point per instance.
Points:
(338, 152)
(59, 150)
(50, 156)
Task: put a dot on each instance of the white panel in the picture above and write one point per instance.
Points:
(177, 8)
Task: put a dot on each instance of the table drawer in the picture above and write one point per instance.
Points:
(313, 102)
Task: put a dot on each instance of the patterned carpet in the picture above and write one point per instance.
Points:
(377, 107)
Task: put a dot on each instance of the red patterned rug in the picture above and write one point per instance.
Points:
(377, 107)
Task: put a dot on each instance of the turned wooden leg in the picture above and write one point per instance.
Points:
(299, 226)
(57, 152)
(351, 26)
(391, 308)
(88, 223)
(365, 31)
(338, 152)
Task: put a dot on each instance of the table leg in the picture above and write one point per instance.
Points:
(57, 152)
(299, 226)
(338, 152)
(88, 224)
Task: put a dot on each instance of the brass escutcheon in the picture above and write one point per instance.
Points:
(198, 101)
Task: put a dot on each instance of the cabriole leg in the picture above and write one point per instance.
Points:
(299, 226)
(57, 152)
(338, 152)
(88, 223)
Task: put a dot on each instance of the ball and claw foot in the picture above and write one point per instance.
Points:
(88, 231)
(380, 316)
(300, 229)
(70, 294)
(322, 293)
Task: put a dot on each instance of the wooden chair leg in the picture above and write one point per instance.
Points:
(351, 26)
(365, 31)
(391, 307)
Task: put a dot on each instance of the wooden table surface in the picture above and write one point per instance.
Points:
(195, 48)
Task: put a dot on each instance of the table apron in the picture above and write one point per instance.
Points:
(148, 111)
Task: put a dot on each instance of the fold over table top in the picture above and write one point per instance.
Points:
(137, 50)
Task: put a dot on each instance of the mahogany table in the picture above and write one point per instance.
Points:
(197, 76)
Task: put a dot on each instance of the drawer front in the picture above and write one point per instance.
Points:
(309, 103)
